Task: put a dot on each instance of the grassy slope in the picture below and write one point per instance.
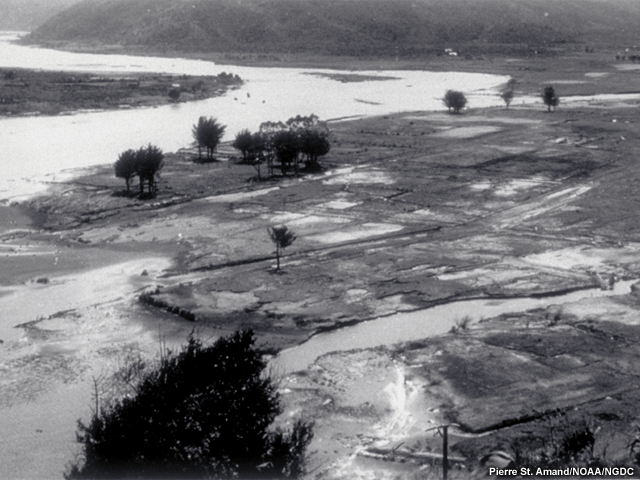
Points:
(352, 27)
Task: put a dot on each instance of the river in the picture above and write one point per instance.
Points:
(424, 323)
(49, 148)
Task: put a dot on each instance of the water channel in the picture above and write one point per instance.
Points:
(39, 148)
(419, 324)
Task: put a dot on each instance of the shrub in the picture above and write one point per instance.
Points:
(204, 412)
(174, 94)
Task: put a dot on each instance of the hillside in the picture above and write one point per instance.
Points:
(344, 27)
(29, 14)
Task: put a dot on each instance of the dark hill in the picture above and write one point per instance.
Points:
(28, 14)
(345, 27)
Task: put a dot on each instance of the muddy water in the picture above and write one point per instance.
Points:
(420, 324)
(44, 146)
(20, 304)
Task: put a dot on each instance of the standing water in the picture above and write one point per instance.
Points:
(41, 147)
(420, 324)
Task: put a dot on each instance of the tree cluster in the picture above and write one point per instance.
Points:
(145, 163)
(207, 134)
(205, 412)
(300, 139)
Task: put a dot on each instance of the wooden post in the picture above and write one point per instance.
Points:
(445, 452)
(443, 430)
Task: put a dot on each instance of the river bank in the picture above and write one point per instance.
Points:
(569, 67)
(32, 92)
(402, 217)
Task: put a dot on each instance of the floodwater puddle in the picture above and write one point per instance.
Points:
(339, 204)
(351, 175)
(238, 197)
(30, 302)
(358, 232)
(583, 258)
(425, 323)
(467, 132)
(515, 186)
(510, 188)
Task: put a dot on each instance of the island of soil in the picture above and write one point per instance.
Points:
(409, 211)
(29, 92)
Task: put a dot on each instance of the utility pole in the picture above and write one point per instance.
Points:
(443, 431)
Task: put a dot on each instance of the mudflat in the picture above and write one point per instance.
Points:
(410, 211)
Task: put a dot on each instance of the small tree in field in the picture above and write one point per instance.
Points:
(550, 98)
(454, 100)
(282, 237)
(204, 412)
(507, 97)
(125, 167)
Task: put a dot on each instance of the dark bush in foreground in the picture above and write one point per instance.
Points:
(205, 412)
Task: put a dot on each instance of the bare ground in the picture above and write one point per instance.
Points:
(413, 210)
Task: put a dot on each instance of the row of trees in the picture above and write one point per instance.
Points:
(456, 101)
(145, 163)
(300, 139)
(276, 144)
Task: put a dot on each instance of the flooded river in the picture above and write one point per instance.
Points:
(41, 147)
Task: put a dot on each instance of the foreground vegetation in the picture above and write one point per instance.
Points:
(204, 412)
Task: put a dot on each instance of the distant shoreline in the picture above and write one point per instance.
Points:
(28, 92)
